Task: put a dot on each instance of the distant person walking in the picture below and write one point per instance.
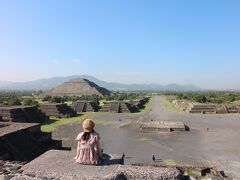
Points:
(88, 145)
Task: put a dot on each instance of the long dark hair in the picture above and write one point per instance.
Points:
(86, 135)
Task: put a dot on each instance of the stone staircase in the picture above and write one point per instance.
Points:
(85, 106)
(29, 114)
(59, 110)
(115, 107)
(106, 107)
(125, 108)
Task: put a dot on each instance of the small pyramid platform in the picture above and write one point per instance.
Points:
(85, 106)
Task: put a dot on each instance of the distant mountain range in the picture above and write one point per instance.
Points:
(46, 84)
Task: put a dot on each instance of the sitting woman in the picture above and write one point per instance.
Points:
(88, 146)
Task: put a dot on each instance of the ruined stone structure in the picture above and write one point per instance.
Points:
(59, 110)
(201, 108)
(164, 126)
(24, 141)
(117, 107)
(212, 108)
(78, 87)
(139, 104)
(125, 108)
(206, 108)
(85, 106)
(232, 108)
(183, 105)
(29, 114)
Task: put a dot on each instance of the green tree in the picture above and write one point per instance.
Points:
(29, 102)
(200, 98)
(47, 98)
(56, 99)
(14, 101)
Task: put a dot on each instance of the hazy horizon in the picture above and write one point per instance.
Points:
(164, 42)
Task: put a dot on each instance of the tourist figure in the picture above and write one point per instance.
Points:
(153, 158)
(88, 145)
(123, 155)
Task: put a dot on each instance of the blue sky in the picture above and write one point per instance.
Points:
(137, 41)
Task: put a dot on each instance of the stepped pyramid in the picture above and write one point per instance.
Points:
(78, 87)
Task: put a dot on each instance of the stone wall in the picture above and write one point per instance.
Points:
(194, 108)
(28, 114)
(85, 106)
(117, 107)
(24, 141)
(59, 110)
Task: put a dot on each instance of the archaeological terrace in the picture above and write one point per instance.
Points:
(194, 108)
(24, 141)
(30, 114)
(59, 110)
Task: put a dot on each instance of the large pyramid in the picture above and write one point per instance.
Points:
(78, 87)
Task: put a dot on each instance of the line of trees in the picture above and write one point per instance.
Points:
(15, 101)
(96, 98)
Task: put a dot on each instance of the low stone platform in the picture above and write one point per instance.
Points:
(58, 110)
(61, 165)
(164, 126)
(24, 141)
(28, 114)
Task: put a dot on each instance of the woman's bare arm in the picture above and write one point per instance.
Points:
(78, 149)
(99, 152)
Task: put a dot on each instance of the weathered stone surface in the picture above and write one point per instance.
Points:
(206, 108)
(85, 106)
(29, 114)
(24, 141)
(164, 126)
(59, 110)
(61, 164)
(117, 107)
(144, 172)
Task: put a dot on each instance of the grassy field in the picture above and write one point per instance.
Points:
(171, 106)
(54, 123)
(237, 102)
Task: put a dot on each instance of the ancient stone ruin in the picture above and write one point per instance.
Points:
(116, 107)
(194, 108)
(59, 110)
(163, 126)
(29, 114)
(201, 108)
(124, 107)
(65, 168)
(24, 141)
(140, 103)
(85, 106)
(56, 164)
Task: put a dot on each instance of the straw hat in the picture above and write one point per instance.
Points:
(88, 125)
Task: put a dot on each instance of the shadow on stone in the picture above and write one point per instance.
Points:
(108, 160)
